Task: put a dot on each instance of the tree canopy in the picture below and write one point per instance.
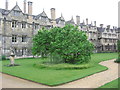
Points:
(68, 43)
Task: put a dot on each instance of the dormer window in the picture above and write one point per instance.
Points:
(17, 13)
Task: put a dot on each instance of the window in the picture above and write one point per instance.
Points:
(110, 40)
(105, 40)
(105, 34)
(24, 49)
(24, 38)
(36, 26)
(23, 24)
(109, 35)
(14, 38)
(15, 50)
(14, 24)
(16, 13)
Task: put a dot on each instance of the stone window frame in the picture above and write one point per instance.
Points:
(15, 50)
(106, 40)
(14, 38)
(23, 25)
(24, 38)
(24, 51)
(14, 24)
(36, 26)
(16, 13)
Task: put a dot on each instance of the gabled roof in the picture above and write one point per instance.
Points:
(82, 24)
(16, 8)
(71, 21)
(100, 29)
(57, 20)
(107, 29)
(90, 25)
(111, 30)
(60, 19)
(43, 14)
(4, 12)
(118, 29)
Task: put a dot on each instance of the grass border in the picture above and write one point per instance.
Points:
(61, 83)
(111, 82)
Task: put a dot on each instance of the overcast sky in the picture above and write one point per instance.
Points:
(103, 11)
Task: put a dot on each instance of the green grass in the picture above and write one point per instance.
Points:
(112, 84)
(54, 77)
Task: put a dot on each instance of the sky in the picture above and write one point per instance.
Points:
(102, 11)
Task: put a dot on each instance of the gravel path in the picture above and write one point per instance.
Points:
(92, 81)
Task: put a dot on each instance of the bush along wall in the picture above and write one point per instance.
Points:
(118, 45)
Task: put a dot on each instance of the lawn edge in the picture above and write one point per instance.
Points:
(55, 84)
(64, 82)
(110, 82)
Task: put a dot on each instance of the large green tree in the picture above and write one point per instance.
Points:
(68, 43)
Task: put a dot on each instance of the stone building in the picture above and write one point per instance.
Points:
(17, 28)
(107, 39)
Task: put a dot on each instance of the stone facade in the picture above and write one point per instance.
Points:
(107, 38)
(17, 29)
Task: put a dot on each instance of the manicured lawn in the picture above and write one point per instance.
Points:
(55, 77)
(112, 84)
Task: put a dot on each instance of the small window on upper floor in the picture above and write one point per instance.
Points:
(16, 13)
(14, 38)
(24, 38)
(14, 24)
(105, 40)
(36, 26)
(23, 24)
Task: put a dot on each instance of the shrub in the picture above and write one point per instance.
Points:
(118, 45)
(117, 61)
(4, 57)
(69, 43)
(63, 66)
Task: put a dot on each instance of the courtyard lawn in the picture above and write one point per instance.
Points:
(54, 77)
(112, 84)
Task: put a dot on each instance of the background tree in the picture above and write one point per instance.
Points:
(69, 44)
(118, 45)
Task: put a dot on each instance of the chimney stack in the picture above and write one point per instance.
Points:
(78, 20)
(6, 5)
(86, 21)
(95, 23)
(53, 16)
(24, 6)
(30, 8)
